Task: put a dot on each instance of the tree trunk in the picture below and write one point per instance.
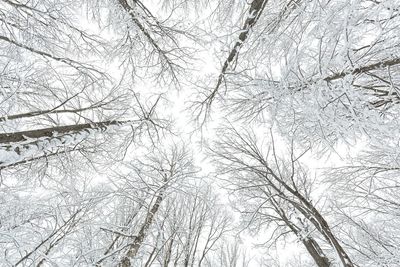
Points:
(313, 215)
(256, 8)
(309, 242)
(316, 252)
(138, 241)
(6, 138)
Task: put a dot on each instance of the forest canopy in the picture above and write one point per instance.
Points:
(200, 133)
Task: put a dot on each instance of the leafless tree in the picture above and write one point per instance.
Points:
(90, 173)
(269, 16)
(277, 192)
(327, 68)
(232, 254)
(368, 203)
(150, 183)
(59, 76)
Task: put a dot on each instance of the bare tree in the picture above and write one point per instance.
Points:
(58, 75)
(278, 191)
(191, 227)
(368, 203)
(311, 66)
(232, 254)
(155, 177)
(88, 175)
(269, 16)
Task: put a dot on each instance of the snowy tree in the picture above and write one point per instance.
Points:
(66, 75)
(326, 68)
(369, 188)
(96, 97)
(276, 192)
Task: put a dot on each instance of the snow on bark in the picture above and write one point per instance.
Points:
(22, 146)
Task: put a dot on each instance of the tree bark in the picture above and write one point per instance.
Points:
(309, 242)
(316, 252)
(138, 241)
(255, 11)
(313, 215)
(6, 138)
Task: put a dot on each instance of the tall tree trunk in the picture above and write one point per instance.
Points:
(20, 147)
(313, 215)
(138, 241)
(6, 138)
(309, 242)
(255, 11)
(316, 252)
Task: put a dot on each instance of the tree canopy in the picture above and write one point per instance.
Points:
(200, 133)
